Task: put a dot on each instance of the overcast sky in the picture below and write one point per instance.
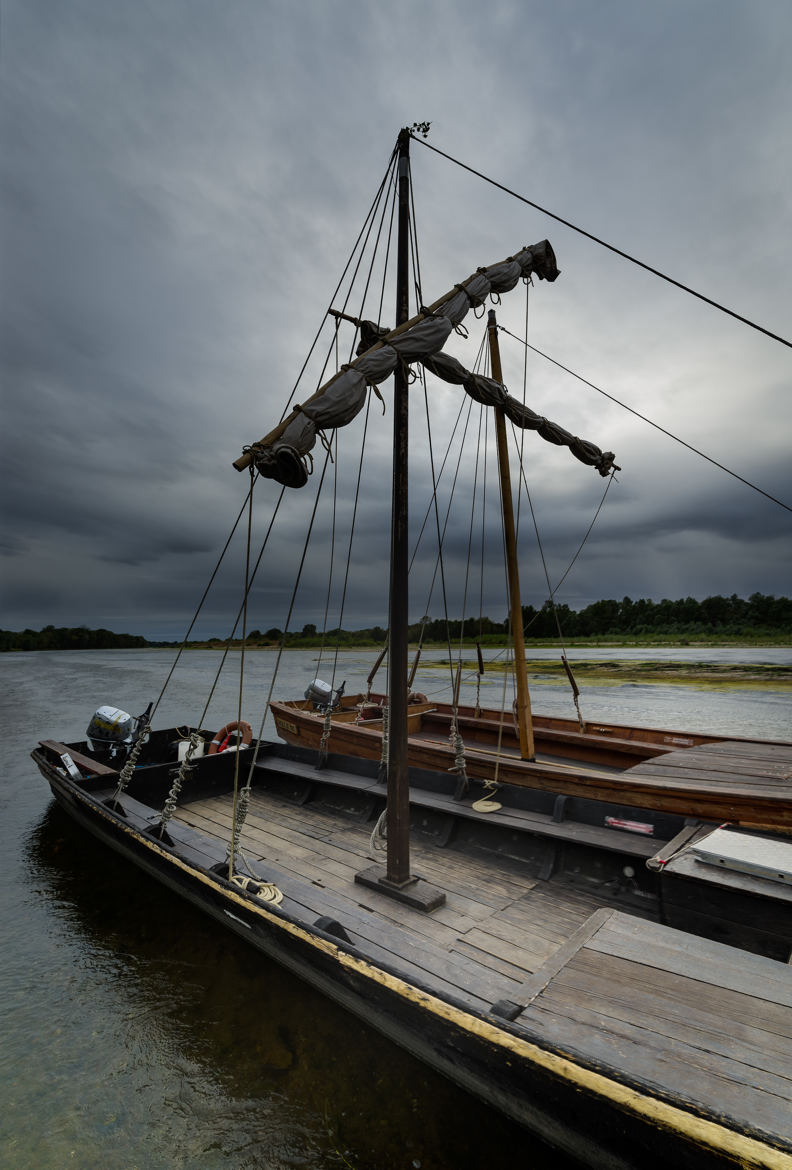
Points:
(182, 183)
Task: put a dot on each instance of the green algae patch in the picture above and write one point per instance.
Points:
(616, 672)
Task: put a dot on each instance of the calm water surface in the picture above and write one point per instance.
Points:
(138, 1035)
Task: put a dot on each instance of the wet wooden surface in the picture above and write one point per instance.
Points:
(699, 1023)
(709, 1022)
(497, 925)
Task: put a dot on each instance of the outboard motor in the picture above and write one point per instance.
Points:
(321, 694)
(111, 732)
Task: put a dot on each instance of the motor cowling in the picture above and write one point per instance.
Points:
(111, 731)
(319, 693)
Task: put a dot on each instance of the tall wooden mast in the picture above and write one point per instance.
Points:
(396, 879)
(398, 782)
(515, 606)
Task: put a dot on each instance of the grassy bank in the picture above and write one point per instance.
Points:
(616, 673)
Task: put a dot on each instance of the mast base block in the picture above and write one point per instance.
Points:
(415, 891)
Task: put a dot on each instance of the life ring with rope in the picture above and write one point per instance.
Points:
(417, 697)
(220, 741)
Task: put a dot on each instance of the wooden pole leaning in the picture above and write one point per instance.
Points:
(524, 720)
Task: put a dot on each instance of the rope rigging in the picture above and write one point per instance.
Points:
(643, 418)
(610, 247)
(377, 231)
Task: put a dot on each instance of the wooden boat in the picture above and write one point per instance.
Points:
(715, 778)
(527, 951)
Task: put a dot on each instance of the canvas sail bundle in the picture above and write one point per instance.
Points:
(491, 393)
(282, 455)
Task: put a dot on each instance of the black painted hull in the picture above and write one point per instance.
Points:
(582, 1109)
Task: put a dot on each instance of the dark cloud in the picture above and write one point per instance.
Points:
(181, 184)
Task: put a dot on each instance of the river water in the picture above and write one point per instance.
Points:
(136, 1035)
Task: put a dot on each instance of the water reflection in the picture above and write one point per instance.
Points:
(182, 1046)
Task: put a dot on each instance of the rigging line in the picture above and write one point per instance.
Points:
(553, 589)
(611, 247)
(370, 220)
(433, 499)
(235, 803)
(361, 234)
(441, 534)
(281, 647)
(483, 520)
(524, 403)
(391, 202)
(643, 418)
(468, 559)
(230, 638)
(203, 598)
(482, 415)
(384, 281)
(351, 534)
(418, 283)
(427, 513)
(332, 554)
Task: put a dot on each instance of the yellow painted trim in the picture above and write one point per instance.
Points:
(747, 1152)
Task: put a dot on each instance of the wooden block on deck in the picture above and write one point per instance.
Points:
(93, 767)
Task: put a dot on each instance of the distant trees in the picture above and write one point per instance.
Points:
(69, 638)
(714, 615)
(734, 616)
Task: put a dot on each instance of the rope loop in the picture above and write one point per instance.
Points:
(326, 443)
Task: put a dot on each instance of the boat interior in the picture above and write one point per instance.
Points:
(557, 928)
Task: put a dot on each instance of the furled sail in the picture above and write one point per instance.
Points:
(282, 455)
(491, 393)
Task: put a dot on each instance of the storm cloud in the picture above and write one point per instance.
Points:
(181, 185)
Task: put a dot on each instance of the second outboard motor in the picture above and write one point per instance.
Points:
(319, 693)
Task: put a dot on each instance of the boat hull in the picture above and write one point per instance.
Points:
(581, 1108)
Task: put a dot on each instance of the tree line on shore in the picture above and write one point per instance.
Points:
(69, 638)
(733, 616)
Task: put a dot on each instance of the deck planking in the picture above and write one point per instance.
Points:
(486, 939)
(688, 1018)
(674, 1011)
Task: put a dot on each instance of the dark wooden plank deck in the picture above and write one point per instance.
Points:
(674, 1011)
(688, 1019)
(496, 927)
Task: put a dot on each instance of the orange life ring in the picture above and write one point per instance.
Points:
(220, 741)
(417, 697)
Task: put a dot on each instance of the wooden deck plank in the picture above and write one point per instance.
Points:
(646, 1057)
(684, 1016)
(735, 1080)
(495, 964)
(668, 1005)
(515, 954)
(279, 844)
(731, 974)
